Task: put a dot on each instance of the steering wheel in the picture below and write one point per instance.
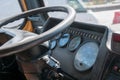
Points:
(23, 40)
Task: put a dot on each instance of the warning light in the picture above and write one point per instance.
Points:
(115, 68)
(116, 37)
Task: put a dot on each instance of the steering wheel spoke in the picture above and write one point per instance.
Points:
(17, 36)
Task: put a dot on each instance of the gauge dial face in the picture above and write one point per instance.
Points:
(64, 40)
(86, 56)
(74, 43)
(58, 36)
(52, 44)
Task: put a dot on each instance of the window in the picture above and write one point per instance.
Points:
(10, 8)
(100, 3)
(76, 5)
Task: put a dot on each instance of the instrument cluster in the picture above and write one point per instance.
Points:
(72, 37)
(84, 43)
(77, 50)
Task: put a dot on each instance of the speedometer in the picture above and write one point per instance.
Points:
(64, 40)
(74, 43)
(86, 56)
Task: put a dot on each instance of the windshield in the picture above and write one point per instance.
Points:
(107, 12)
(101, 5)
(8, 9)
(92, 3)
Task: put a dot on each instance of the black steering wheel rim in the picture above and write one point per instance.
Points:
(15, 48)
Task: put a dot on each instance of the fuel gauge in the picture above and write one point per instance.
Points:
(52, 44)
(64, 40)
(74, 43)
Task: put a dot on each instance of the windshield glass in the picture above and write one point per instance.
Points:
(78, 6)
(8, 9)
(90, 3)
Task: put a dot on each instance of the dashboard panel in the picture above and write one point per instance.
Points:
(67, 52)
(77, 48)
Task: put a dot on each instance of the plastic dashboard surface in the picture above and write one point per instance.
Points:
(74, 40)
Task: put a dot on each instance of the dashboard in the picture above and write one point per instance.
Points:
(77, 48)
(80, 52)
(5, 38)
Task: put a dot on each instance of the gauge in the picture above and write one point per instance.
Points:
(52, 44)
(74, 43)
(64, 40)
(58, 36)
(86, 56)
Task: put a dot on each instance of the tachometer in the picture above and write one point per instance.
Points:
(86, 56)
(64, 40)
(74, 43)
